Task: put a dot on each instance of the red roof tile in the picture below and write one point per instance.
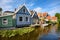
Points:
(39, 14)
(45, 14)
(54, 18)
(48, 17)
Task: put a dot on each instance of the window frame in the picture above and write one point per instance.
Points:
(24, 10)
(26, 19)
(20, 19)
(3, 21)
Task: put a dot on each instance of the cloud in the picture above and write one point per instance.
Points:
(8, 8)
(5, 4)
(54, 10)
(38, 9)
(30, 4)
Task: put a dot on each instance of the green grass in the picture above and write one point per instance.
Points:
(27, 33)
(20, 31)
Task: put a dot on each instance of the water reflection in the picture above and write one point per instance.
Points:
(49, 33)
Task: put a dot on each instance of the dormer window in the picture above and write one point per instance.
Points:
(24, 10)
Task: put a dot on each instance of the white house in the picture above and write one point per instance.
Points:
(34, 17)
(23, 17)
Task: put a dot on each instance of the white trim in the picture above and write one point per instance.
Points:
(33, 14)
(27, 19)
(21, 7)
(3, 23)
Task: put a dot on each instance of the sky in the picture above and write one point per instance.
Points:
(50, 6)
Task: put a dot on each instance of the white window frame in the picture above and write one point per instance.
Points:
(27, 19)
(19, 19)
(23, 11)
(3, 23)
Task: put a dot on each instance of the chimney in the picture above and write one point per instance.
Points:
(0, 11)
(15, 9)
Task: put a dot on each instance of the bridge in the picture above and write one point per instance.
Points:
(39, 25)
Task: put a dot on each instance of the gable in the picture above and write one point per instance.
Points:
(31, 12)
(35, 15)
(22, 9)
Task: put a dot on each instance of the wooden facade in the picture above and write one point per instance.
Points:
(23, 17)
(7, 21)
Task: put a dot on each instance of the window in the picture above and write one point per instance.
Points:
(20, 18)
(5, 21)
(24, 10)
(26, 18)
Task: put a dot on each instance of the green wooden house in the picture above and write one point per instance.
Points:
(7, 21)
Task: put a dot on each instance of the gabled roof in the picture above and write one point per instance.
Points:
(8, 12)
(39, 14)
(48, 17)
(35, 15)
(54, 18)
(45, 14)
(20, 8)
(32, 13)
(6, 15)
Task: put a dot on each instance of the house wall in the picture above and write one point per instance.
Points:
(34, 21)
(14, 20)
(10, 21)
(23, 22)
(14, 23)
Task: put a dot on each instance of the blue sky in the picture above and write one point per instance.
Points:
(50, 6)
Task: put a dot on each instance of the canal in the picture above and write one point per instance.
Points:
(50, 33)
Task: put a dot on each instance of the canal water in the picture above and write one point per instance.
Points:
(52, 34)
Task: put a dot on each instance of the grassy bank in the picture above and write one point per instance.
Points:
(21, 34)
(20, 31)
